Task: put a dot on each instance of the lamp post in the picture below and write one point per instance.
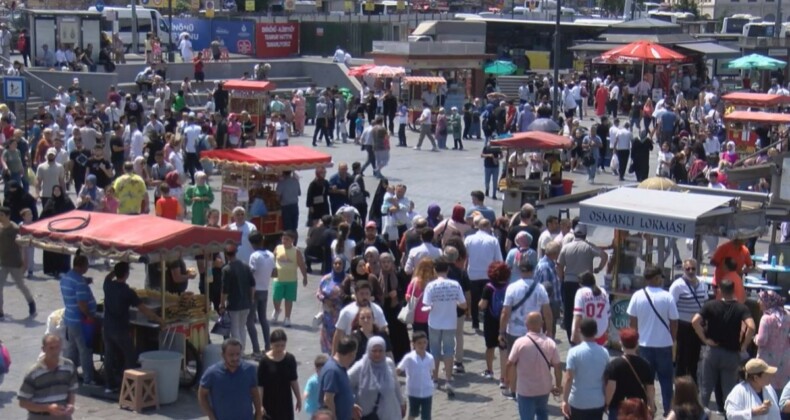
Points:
(556, 100)
(171, 53)
(135, 36)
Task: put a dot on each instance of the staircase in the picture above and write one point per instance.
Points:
(509, 85)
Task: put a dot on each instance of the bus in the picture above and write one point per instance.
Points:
(759, 29)
(734, 24)
(385, 8)
(148, 20)
(673, 17)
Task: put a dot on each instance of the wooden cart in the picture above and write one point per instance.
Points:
(251, 96)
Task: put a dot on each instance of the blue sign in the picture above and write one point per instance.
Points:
(14, 89)
(144, 2)
(199, 31)
(238, 36)
(99, 5)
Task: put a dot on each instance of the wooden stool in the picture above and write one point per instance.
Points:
(138, 390)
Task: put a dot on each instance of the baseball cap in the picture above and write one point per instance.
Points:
(52, 151)
(580, 230)
(370, 224)
(757, 366)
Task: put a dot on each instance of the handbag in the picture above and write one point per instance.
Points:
(373, 414)
(406, 314)
(222, 326)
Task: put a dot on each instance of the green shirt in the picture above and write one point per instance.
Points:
(199, 208)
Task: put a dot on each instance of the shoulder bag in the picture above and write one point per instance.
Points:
(374, 415)
(638, 379)
(526, 295)
(650, 301)
(406, 314)
(693, 292)
(546, 359)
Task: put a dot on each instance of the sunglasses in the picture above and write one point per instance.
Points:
(690, 268)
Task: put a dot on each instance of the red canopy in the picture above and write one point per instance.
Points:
(123, 236)
(360, 71)
(757, 117)
(253, 85)
(534, 140)
(274, 159)
(756, 100)
(644, 51)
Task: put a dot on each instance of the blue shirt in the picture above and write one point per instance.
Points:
(667, 120)
(229, 392)
(311, 403)
(334, 379)
(484, 211)
(546, 274)
(587, 361)
(74, 290)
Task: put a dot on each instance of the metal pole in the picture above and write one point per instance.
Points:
(778, 21)
(556, 101)
(135, 35)
(171, 53)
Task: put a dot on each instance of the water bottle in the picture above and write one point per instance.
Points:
(773, 261)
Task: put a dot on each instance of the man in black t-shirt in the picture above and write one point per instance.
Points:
(100, 167)
(78, 163)
(724, 320)
(491, 156)
(630, 375)
(526, 225)
(119, 351)
(117, 149)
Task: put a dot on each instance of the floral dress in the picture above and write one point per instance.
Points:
(773, 345)
(330, 294)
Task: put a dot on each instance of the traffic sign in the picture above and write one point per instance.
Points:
(210, 9)
(14, 89)
(99, 5)
(144, 2)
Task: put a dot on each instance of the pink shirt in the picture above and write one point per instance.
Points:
(535, 378)
(420, 316)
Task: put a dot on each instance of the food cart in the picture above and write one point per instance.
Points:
(524, 152)
(251, 96)
(252, 173)
(640, 224)
(741, 124)
(157, 240)
(415, 86)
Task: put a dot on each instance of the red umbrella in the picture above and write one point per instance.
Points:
(360, 70)
(644, 51)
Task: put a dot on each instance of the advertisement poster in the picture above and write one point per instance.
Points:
(237, 36)
(276, 39)
(199, 32)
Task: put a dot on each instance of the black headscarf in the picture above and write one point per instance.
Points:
(378, 199)
(57, 205)
(16, 199)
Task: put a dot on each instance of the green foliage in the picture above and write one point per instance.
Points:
(690, 6)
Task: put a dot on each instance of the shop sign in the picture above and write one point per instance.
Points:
(276, 39)
(619, 318)
(236, 36)
(659, 225)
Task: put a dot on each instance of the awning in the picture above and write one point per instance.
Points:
(425, 28)
(592, 47)
(252, 85)
(665, 213)
(757, 117)
(424, 80)
(711, 49)
(534, 140)
(755, 100)
(271, 159)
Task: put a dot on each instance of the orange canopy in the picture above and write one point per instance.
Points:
(757, 117)
(534, 140)
(424, 80)
(273, 159)
(253, 85)
(123, 236)
(757, 100)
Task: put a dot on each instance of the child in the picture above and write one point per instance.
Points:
(110, 203)
(418, 366)
(167, 206)
(311, 403)
(27, 218)
(360, 128)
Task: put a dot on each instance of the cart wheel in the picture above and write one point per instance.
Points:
(190, 371)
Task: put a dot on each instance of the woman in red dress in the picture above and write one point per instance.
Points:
(601, 96)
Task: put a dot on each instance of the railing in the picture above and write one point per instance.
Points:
(429, 48)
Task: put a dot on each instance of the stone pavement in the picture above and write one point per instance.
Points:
(444, 178)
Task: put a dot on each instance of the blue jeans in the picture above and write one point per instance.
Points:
(491, 179)
(290, 214)
(660, 358)
(258, 310)
(79, 351)
(531, 407)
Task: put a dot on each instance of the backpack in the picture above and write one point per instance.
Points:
(497, 300)
(355, 194)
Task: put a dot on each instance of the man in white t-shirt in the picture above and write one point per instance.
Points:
(185, 47)
(425, 128)
(362, 296)
(441, 297)
(548, 235)
(241, 224)
(263, 268)
(654, 315)
(522, 297)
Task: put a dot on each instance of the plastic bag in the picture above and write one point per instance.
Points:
(222, 326)
(258, 208)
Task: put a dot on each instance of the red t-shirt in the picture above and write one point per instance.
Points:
(198, 64)
(740, 255)
(168, 207)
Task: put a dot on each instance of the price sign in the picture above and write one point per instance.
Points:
(370, 6)
(210, 9)
(401, 5)
(348, 6)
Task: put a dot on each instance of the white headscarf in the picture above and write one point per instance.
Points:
(375, 376)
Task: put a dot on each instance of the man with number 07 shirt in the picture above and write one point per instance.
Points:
(590, 302)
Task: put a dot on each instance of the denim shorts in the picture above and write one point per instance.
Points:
(443, 340)
(420, 405)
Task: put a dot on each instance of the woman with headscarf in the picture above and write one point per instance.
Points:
(393, 301)
(773, 336)
(378, 200)
(358, 271)
(17, 199)
(330, 294)
(730, 155)
(454, 226)
(55, 264)
(199, 197)
(91, 197)
(375, 385)
(234, 131)
(522, 250)
(434, 215)
(299, 112)
(640, 155)
(372, 260)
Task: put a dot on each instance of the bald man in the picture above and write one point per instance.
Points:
(482, 248)
(529, 369)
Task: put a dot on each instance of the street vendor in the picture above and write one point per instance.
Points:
(119, 350)
(555, 168)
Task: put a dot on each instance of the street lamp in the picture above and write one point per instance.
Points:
(556, 101)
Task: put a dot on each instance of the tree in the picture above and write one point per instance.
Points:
(690, 6)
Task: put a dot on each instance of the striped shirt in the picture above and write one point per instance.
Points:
(684, 299)
(74, 290)
(44, 386)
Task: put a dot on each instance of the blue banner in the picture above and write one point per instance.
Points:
(199, 31)
(238, 36)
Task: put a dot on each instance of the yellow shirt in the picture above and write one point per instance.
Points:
(286, 263)
(130, 191)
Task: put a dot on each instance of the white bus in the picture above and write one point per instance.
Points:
(759, 29)
(148, 20)
(386, 7)
(734, 24)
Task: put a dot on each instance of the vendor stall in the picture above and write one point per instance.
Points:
(530, 174)
(251, 174)
(161, 240)
(415, 87)
(741, 127)
(646, 223)
(767, 101)
(251, 96)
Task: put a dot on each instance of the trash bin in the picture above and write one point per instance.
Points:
(567, 186)
(212, 354)
(167, 365)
